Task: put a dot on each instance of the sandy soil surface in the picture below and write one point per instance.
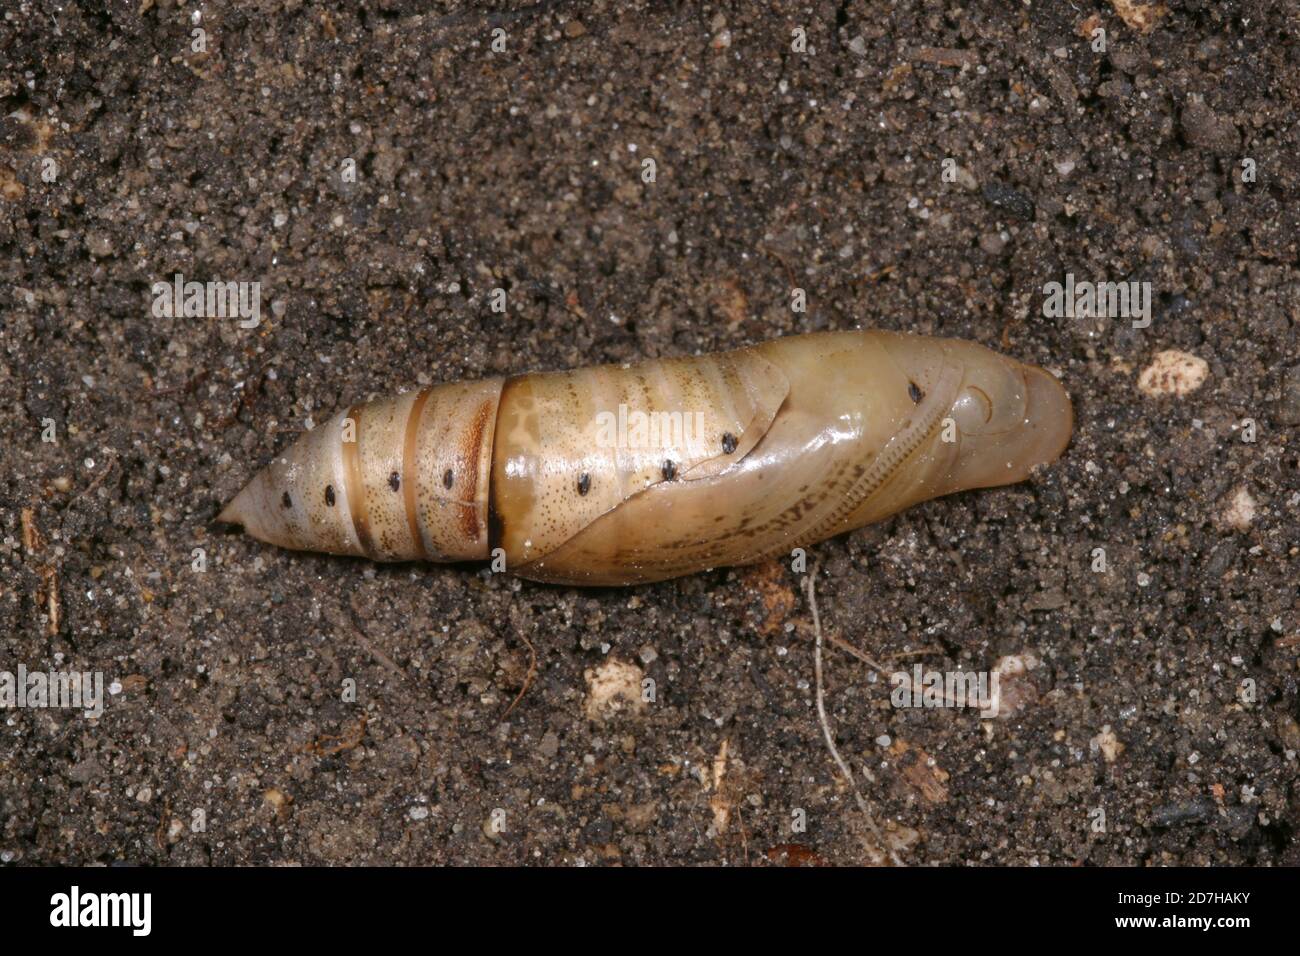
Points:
(1158, 721)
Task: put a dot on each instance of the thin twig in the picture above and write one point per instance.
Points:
(330, 744)
(850, 649)
(364, 640)
(811, 586)
(48, 592)
(528, 678)
(31, 536)
(904, 679)
(919, 652)
(98, 479)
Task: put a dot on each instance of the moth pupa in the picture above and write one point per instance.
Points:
(618, 475)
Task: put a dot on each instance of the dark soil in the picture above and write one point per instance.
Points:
(1165, 691)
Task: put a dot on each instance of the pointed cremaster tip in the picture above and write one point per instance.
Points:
(232, 513)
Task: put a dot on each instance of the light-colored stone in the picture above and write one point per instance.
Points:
(613, 688)
(1173, 372)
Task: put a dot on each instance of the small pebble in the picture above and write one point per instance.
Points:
(1239, 510)
(1173, 372)
(99, 245)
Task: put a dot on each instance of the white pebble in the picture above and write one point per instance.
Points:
(1173, 372)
